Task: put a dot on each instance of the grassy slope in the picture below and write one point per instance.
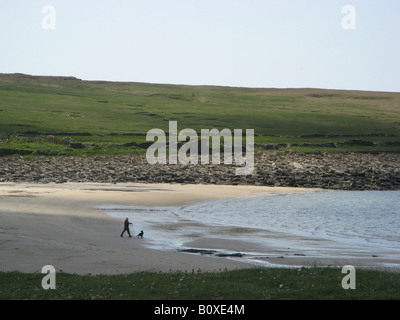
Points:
(104, 107)
(55, 104)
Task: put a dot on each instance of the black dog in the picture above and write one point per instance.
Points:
(140, 235)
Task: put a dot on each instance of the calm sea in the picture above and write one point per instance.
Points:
(318, 223)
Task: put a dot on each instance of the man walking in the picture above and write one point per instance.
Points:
(126, 227)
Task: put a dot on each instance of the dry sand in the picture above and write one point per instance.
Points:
(59, 225)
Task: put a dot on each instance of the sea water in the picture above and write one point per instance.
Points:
(317, 223)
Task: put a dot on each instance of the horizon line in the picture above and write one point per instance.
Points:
(197, 85)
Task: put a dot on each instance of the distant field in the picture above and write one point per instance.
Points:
(50, 105)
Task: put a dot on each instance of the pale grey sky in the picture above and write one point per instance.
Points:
(249, 43)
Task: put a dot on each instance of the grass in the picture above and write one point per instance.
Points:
(105, 111)
(106, 144)
(102, 107)
(52, 149)
(247, 284)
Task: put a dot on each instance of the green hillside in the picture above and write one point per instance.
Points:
(49, 105)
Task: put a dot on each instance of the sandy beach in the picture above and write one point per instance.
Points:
(61, 225)
(58, 224)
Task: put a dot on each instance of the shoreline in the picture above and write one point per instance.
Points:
(58, 224)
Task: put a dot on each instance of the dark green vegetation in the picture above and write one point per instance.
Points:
(258, 283)
(104, 112)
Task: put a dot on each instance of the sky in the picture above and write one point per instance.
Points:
(241, 43)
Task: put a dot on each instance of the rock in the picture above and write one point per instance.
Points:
(145, 145)
(389, 143)
(359, 142)
(68, 139)
(77, 145)
(42, 152)
(130, 144)
(201, 251)
(347, 171)
(237, 254)
(297, 165)
(8, 152)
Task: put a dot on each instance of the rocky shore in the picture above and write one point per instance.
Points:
(346, 171)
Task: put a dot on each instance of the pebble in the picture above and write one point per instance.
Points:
(345, 171)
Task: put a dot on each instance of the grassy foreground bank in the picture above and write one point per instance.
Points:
(252, 284)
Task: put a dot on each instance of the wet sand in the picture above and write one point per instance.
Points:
(59, 225)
